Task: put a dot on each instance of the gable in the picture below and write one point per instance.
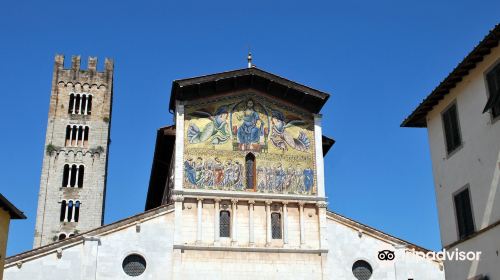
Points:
(308, 98)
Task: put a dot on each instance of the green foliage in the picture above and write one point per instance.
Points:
(50, 149)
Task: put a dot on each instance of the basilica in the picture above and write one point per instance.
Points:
(237, 189)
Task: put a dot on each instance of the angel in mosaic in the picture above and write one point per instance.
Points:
(282, 139)
(216, 131)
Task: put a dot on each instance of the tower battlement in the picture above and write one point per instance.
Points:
(76, 73)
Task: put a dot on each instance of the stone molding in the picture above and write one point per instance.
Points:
(251, 249)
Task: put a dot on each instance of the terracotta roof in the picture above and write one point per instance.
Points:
(417, 117)
(214, 84)
(9, 207)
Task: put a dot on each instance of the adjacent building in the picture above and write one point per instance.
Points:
(7, 212)
(237, 191)
(462, 119)
(73, 180)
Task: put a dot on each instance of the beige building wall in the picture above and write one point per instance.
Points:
(4, 234)
(476, 164)
(99, 254)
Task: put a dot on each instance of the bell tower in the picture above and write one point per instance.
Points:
(73, 179)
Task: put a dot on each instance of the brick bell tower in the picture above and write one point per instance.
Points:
(73, 180)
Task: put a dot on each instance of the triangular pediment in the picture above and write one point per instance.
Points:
(303, 96)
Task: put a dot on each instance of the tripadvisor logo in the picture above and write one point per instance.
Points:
(453, 255)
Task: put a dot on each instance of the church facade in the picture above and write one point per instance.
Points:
(237, 190)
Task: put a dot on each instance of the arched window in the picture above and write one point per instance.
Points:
(362, 270)
(250, 171)
(77, 105)
(63, 211)
(80, 136)
(65, 176)
(68, 136)
(81, 171)
(89, 104)
(62, 236)
(74, 132)
(72, 179)
(77, 136)
(86, 137)
(71, 103)
(70, 210)
(276, 225)
(225, 223)
(84, 104)
(77, 211)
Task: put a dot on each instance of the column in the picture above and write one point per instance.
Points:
(179, 201)
(69, 176)
(76, 176)
(74, 104)
(179, 146)
(301, 217)
(66, 212)
(73, 212)
(285, 223)
(268, 222)
(83, 136)
(234, 231)
(318, 145)
(86, 103)
(81, 101)
(77, 136)
(323, 239)
(200, 213)
(251, 233)
(70, 136)
(216, 221)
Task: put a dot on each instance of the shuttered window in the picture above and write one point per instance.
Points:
(225, 223)
(493, 81)
(451, 128)
(276, 225)
(463, 212)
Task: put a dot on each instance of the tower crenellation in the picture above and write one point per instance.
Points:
(73, 180)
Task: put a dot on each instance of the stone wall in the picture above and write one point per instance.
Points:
(100, 253)
(57, 152)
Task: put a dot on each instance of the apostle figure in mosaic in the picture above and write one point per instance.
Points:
(308, 179)
(237, 176)
(190, 172)
(228, 175)
(199, 171)
(279, 178)
(218, 173)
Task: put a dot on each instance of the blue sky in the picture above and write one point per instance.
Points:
(378, 59)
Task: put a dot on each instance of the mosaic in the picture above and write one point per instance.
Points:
(221, 133)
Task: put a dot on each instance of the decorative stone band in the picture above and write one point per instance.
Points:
(322, 204)
(177, 198)
(251, 249)
(247, 196)
(226, 202)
